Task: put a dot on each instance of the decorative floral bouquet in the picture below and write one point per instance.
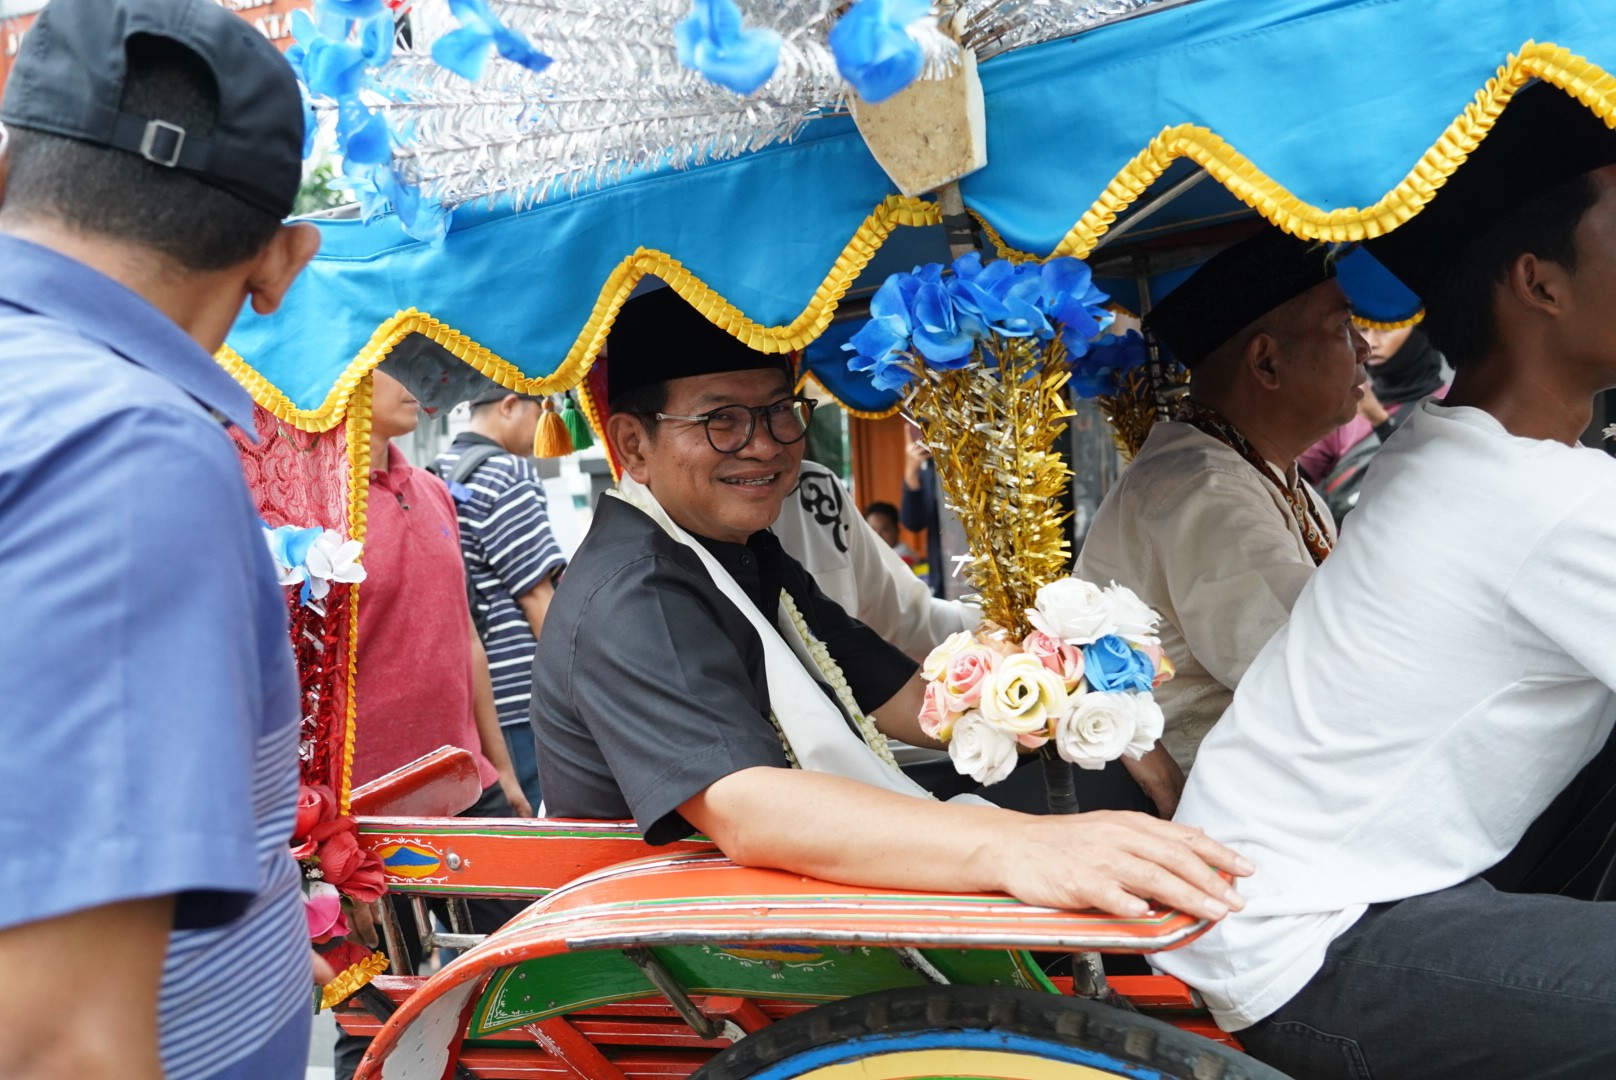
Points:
(985, 352)
(1080, 679)
(337, 873)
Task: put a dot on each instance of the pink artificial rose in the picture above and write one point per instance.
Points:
(316, 804)
(1063, 659)
(322, 908)
(936, 719)
(1164, 666)
(962, 680)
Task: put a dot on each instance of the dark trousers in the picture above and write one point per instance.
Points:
(1475, 981)
(486, 917)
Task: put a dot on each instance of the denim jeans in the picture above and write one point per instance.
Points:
(1467, 982)
(524, 760)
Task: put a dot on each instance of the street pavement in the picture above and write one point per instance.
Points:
(320, 1040)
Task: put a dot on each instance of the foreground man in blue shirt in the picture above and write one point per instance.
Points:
(150, 713)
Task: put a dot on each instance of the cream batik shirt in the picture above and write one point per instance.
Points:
(1204, 539)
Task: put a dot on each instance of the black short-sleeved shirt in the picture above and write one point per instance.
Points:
(649, 683)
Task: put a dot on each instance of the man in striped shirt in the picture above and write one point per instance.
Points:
(512, 559)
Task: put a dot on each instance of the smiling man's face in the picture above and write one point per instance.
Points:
(725, 497)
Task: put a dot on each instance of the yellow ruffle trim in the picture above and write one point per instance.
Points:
(1371, 324)
(893, 213)
(1583, 80)
(358, 435)
(349, 982)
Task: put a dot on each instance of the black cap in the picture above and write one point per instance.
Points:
(69, 75)
(1235, 288)
(1542, 138)
(499, 393)
(657, 337)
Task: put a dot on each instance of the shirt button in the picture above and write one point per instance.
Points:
(746, 560)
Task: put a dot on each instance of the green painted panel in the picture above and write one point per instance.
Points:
(551, 986)
(794, 971)
(989, 967)
(539, 989)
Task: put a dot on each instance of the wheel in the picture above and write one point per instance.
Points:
(984, 1033)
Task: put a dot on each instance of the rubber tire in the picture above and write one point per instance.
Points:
(1131, 1039)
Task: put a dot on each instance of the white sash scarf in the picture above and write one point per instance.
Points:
(815, 729)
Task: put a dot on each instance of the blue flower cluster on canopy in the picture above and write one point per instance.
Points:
(336, 49)
(873, 49)
(1109, 360)
(712, 40)
(939, 318)
(465, 51)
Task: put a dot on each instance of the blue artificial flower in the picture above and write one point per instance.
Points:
(378, 187)
(712, 40)
(1005, 297)
(351, 9)
(1111, 665)
(362, 135)
(938, 333)
(880, 346)
(1070, 298)
(873, 49)
(465, 51)
(1100, 371)
(331, 68)
(376, 39)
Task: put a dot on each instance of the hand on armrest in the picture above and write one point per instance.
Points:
(841, 830)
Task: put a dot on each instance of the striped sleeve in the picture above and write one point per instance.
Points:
(515, 536)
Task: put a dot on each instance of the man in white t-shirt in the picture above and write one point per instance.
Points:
(1431, 725)
(1212, 524)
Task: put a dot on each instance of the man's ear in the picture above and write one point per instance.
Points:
(630, 443)
(1262, 359)
(1538, 284)
(278, 265)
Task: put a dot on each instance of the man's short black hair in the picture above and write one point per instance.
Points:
(121, 196)
(882, 509)
(1460, 318)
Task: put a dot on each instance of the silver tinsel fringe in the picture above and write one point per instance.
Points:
(616, 98)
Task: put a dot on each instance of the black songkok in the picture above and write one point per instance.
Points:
(657, 337)
(1235, 288)
(1542, 138)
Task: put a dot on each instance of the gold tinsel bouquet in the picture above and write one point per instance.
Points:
(984, 354)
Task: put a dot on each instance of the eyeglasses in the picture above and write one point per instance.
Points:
(731, 428)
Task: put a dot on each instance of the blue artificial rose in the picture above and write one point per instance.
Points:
(1113, 666)
(362, 135)
(1070, 298)
(873, 49)
(712, 40)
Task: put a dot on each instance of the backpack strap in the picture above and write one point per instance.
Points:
(474, 457)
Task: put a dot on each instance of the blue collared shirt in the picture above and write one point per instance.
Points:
(148, 698)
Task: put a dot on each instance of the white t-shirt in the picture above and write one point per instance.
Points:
(1203, 538)
(821, 528)
(1444, 675)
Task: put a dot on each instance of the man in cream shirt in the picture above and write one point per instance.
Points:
(1211, 524)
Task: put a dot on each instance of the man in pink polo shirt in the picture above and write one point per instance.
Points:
(422, 677)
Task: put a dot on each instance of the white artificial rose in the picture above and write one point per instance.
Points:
(1075, 611)
(1023, 697)
(1136, 621)
(1098, 730)
(937, 660)
(980, 750)
(1148, 725)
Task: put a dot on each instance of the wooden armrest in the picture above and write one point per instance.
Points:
(439, 784)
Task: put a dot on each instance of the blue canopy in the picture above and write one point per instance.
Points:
(1334, 119)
